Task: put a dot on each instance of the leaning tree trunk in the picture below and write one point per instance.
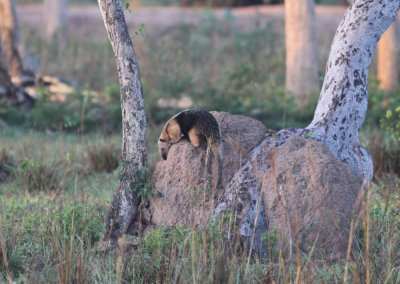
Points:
(339, 114)
(388, 69)
(301, 49)
(11, 95)
(123, 208)
(55, 12)
(12, 40)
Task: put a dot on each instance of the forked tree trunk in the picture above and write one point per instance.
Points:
(55, 12)
(12, 40)
(123, 208)
(341, 108)
(301, 49)
(388, 58)
(343, 100)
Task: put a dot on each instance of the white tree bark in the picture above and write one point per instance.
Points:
(55, 12)
(388, 58)
(123, 207)
(339, 114)
(343, 100)
(301, 49)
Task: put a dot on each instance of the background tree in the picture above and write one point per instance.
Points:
(219, 3)
(55, 12)
(301, 49)
(11, 95)
(123, 208)
(11, 37)
(388, 58)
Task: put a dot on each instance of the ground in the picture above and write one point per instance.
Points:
(59, 182)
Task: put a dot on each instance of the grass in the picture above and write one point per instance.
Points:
(58, 184)
(50, 233)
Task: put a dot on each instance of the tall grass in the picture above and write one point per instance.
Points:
(52, 238)
(52, 208)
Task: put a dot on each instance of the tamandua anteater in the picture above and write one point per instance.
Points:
(195, 125)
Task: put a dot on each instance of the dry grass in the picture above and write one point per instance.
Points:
(54, 240)
(6, 164)
(103, 158)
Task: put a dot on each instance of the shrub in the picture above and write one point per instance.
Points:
(379, 102)
(81, 112)
(103, 158)
(84, 221)
(385, 153)
(6, 165)
(243, 91)
(391, 122)
(35, 176)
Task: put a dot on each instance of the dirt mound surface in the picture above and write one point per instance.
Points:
(309, 197)
(180, 178)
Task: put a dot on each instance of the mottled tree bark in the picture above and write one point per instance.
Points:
(124, 205)
(339, 114)
(343, 100)
(55, 12)
(12, 40)
(388, 58)
(301, 49)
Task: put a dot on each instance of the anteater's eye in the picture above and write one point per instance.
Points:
(162, 140)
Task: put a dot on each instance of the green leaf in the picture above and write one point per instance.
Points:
(133, 186)
(309, 134)
(139, 174)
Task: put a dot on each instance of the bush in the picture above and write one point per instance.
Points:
(391, 122)
(385, 153)
(81, 112)
(379, 102)
(83, 221)
(35, 176)
(103, 158)
(6, 165)
(243, 91)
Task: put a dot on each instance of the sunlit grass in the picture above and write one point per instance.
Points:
(51, 236)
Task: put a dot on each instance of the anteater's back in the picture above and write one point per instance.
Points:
(206, 124)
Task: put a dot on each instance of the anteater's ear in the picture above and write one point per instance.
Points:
(164, 134)
(174, 131)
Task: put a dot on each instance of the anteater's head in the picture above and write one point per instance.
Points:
(170, 135)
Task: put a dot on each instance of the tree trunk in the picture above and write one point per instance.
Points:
(12, 40)
(55, 12)
(340, 111)
(123, 208)
(388, 69)
(301, 49)
(11, 95)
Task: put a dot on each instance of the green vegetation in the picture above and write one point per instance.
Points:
(50, 233)
(177, 2)
(59, 165)
(70, 2)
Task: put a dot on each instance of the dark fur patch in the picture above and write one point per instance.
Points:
(202, 120)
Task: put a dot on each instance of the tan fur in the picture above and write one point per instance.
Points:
(174, 131)
(194, 137)
(170, 135)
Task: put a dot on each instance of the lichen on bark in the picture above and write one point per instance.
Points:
(124, 205)
(340, 112)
